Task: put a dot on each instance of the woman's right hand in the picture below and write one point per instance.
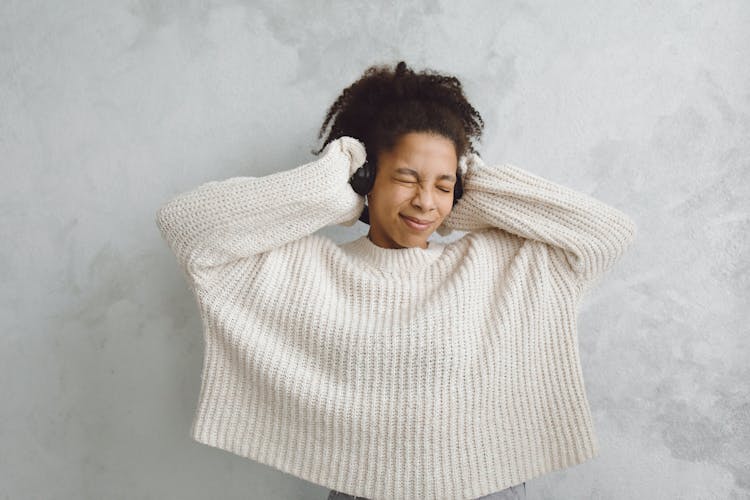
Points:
(356, 151)
(354, 148)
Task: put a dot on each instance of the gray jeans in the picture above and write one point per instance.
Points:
(517, 492)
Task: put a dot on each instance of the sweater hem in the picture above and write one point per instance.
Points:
(327, 467)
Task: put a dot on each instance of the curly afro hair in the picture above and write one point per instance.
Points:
(385, 103)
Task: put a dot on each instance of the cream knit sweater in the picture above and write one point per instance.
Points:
(442, 373)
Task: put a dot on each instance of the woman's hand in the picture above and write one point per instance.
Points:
(354, 148)
(357, 154)
(459, 218)
(356, 151)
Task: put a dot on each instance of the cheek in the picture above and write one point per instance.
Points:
(446, 205)
(392, 199)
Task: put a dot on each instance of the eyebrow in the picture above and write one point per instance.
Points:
(409, 171)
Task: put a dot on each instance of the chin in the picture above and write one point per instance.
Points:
(411, 240)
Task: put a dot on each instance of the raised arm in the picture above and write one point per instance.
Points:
(592, 234)
(221, 221)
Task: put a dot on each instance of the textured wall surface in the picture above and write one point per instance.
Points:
(109, 108)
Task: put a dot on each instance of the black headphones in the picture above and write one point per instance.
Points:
(364, 178)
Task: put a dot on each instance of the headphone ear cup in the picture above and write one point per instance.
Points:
(363, 179)
(365, 215)
(458, 190)
(362, 182)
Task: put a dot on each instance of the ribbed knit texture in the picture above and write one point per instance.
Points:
(442, 373)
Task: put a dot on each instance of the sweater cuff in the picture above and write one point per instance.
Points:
(354, 148)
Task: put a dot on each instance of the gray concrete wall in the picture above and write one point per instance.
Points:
(109, 108)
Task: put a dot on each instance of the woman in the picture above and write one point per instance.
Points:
(390, 366)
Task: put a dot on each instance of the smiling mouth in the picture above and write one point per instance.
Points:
(416, 223)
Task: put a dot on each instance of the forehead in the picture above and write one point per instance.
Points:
(423, 152)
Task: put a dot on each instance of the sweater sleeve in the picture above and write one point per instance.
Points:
(240, 217)
(591, 234)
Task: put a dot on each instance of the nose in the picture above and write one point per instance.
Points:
(424, 199)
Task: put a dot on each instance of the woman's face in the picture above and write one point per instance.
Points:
(415, 179)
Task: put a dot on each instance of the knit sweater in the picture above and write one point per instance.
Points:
(446, 372)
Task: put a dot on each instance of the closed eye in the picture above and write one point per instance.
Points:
(413, 182)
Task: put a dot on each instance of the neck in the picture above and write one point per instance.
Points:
(369, 237)
(400, 261)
